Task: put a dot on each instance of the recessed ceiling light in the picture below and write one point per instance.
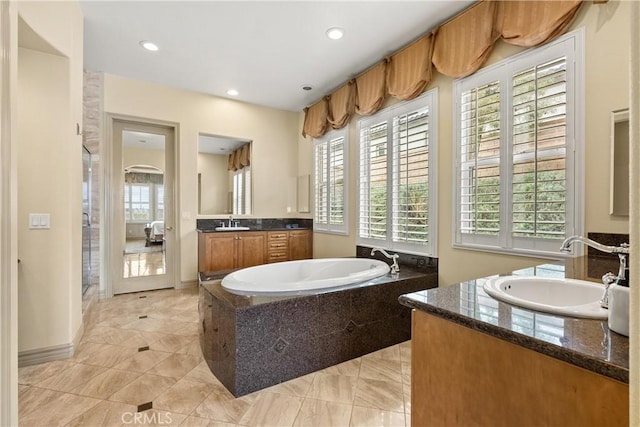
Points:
(335, 33)
(149, 45)
(232, 92)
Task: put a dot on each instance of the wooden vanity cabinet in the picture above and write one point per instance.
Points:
(462, 377)
(226, 251)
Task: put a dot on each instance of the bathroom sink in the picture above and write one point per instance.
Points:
(232, 228)
(566, 297)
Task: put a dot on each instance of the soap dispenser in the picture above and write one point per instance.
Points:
(619, 300)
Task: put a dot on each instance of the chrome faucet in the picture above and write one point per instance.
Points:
(608, 278)
(394, 267)
(230, 221)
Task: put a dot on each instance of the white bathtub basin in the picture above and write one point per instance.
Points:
(303, 277)
(566, 297)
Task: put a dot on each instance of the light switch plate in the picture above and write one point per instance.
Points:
(39, 221)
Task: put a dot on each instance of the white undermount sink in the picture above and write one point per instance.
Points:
(225, 228)
(566, 297)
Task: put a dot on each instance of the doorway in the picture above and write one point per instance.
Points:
(142, 237)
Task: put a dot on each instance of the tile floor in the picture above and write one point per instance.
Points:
(141, 348)
(142, 264)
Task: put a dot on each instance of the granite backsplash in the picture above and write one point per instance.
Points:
(257, 223)
(598, 262)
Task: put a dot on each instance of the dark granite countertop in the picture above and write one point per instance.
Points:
(211, 282)
(255, 228)
(585, 343)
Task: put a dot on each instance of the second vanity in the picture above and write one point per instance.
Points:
(480, 361)
(260, 242)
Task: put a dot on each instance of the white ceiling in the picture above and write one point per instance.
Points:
(220, 145)
(149, 141)
(267, 50)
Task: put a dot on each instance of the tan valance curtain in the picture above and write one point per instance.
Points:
(463, 44)
(239, 158)
(457, 49)
(316, 119)
(409, 71)
(370, 90)
(342, 104)
(530, 23)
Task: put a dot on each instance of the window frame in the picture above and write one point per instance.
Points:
(325, 140)
(571, 46)
(427, 99)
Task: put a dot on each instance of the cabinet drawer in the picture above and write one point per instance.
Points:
(277, 235)
(277, 256)
(278, 245)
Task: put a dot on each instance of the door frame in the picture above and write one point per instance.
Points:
(8, 216)
(108, 228)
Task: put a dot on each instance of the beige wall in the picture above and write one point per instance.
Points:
(606, 85)
(274, 147)
(49, 103)
(132, 156)
(214, 183)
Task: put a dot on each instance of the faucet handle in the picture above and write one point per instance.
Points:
(609, 278)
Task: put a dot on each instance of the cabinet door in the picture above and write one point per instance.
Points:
(300, 244)
(217, 252)
(252, 249)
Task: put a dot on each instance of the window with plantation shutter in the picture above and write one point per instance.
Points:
(395, 198)
(330, 153)
(519, 151)
(242, 191)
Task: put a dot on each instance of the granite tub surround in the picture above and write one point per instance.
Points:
(586, 343)
(252, 342)
(256, 224)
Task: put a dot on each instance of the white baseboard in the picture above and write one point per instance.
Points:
(48, 354)
(187, 284)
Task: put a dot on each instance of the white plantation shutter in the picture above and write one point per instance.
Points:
(247, 189)
(330, 191)
(480, 160)
(373, 182)
(411, 177)
(242, 191)
(396, 162)
(539, 150)
(321, 185)
(336, 181)
(519, 133)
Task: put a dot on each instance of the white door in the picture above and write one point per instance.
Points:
(143, 235)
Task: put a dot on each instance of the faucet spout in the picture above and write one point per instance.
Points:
(394, 267)
(569, 241)
(623, 252)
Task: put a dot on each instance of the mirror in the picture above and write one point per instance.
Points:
(143, 156)
(619, 191)
(224, 185)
